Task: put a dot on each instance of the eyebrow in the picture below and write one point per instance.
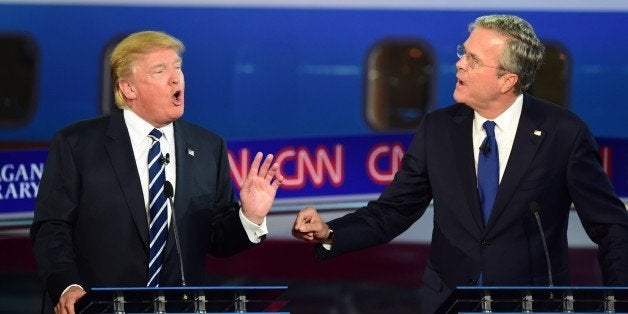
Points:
(165, 65)
(471, 54)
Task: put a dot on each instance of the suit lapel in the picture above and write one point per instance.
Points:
(462, 142)
(527, 141)
(121, 155)
(185, 152)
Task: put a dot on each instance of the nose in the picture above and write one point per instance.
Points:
(175, 78)
(462, 63)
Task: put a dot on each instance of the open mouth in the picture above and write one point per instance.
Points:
(177, 97)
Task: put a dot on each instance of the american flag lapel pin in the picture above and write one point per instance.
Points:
(191, 152)
(538, 132)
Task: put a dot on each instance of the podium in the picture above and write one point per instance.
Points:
(535, 299)
(199, 299)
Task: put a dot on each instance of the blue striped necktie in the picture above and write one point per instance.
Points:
(158, 209)
(488, 171)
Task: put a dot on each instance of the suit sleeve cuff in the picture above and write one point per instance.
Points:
(255, 232)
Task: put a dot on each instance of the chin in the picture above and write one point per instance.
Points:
(458, 98)
(177, 114)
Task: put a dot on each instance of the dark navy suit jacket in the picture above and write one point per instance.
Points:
(90, 225)
(554, 167)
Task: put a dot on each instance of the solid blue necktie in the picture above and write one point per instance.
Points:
(158, 209)
(488, 171)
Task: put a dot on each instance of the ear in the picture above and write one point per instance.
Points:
(127, 89)
(508, 82)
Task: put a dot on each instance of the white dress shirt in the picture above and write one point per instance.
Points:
(505, 131)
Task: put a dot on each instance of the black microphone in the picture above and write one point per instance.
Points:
(169, 190)
(534, 207)
(485, 148)
(165, 160)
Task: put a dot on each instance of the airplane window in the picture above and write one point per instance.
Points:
(19, 58)
(399, 84)
(552, 79)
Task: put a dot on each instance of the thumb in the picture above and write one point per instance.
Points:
(303, 217)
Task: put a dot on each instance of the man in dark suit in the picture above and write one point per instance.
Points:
(485, 162)
(94, 224)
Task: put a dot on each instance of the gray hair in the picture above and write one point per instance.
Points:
(524, 52)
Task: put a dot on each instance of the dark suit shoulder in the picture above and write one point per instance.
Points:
(456, 112)
(457, 109)
(551, 115)
(85, 126)
(87, 132)
(197, 130)
(539, 110)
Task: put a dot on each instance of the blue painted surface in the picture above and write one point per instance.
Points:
(256, 73)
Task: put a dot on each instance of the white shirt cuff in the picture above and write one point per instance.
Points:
(70, 286)
(253, 231)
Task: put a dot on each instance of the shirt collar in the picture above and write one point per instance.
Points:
(139, 128)
(505, 121)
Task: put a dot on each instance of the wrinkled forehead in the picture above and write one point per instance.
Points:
(485, 39)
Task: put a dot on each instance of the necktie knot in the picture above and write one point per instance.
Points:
(489, 127)
(155, 134)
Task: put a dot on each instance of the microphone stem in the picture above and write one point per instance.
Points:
(547, 260)
(176, 240)
(169, 190)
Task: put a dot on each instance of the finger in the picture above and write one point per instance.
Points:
(295, 234)
(255, 165)
(60, 308)
(302, 217)
(263, 171)
(315, 227)
(278, 181)
(68, 301)
(298, 234)
(309, 236)
(297, 223)
(309, 215)
(69, 306)
(271, 172)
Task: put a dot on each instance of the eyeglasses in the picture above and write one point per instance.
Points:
(471, 61)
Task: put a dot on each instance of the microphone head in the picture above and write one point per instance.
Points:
(168, 189)
(534, 207)
(484, 148)
(165, 159)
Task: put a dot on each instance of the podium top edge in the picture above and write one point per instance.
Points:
(545, 288)
(187, 288)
